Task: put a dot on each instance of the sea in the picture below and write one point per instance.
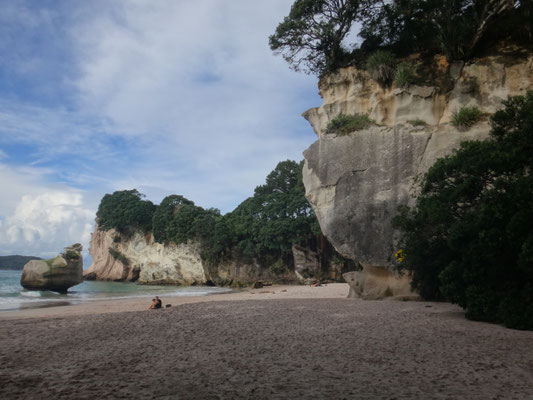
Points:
(14, 297)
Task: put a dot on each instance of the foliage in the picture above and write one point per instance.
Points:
(117, 255)
(465, 117)
(125, 211)
(72, 255)
(315, 35)
(405, 74)
(276, 217)
(311, 37)
(454, 27)
(261, 230)
(164, 214)
(469, 238)
(381, 66)
(417, 122)
(344, 124)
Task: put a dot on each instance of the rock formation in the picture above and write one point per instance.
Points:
(57, 274)
(138, 258)
(356, 182)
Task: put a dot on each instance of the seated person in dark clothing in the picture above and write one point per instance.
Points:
(156, 303)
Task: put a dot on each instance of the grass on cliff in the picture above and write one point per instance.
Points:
(117, 255)
(417, 122)
(381, 66)
(344, 124)
(465, 117)
(405, 74)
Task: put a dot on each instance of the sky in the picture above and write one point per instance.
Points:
(164, 96)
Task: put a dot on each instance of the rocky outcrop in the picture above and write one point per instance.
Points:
(356, 182)
(139, 258)
(306, 264)
(376, 283)
(57, 274)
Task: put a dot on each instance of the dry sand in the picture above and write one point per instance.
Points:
(233, 346)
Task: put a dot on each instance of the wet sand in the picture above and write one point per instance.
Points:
(275, 347)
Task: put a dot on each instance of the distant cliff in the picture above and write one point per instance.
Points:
(138, 258)
(356, 182)
(15, 262)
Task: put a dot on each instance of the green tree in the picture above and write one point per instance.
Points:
(125, 211)
(164, 214)
(469, 238)
(276, 217)
(310, 37)
(454, 27)
(314, 36)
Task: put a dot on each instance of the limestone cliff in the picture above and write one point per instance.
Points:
(138, 258)
(356, 182)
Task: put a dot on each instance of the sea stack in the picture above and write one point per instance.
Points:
(57, 274)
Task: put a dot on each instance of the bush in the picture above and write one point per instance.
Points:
(469, 238)
(117, 255)
(417, 122)
(72, 255)
(381, 66)
(405, 74)
(125, 211)
(344, 124)
(466, 117)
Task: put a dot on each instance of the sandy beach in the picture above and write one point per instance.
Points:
(280, 342)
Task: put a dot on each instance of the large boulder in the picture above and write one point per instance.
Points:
(375, 283)
(57, 274)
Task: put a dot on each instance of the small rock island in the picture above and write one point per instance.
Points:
(57, 274)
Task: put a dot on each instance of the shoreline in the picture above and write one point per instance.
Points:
(326, 291)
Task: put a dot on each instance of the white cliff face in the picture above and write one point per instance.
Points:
(484, 83)
(356, 182)
(147, 261)
(139, 259)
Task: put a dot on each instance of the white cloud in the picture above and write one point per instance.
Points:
(43, 224)
(40, 218)
(197, 85)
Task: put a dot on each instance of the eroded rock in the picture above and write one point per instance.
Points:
(375, 283)
(356, 182)
(57, 274)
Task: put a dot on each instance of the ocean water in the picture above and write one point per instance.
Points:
(14, 297)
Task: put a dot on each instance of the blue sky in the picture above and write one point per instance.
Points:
(167, 96)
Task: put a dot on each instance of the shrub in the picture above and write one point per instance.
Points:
(381, 65)
(417, 122)
(469, 238)
(405, 74)
(125, 211)
(72, 255)
(117, 255)
(466, 117)
(343, 124)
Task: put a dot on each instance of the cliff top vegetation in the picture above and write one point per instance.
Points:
(262, 228)
(318, 36)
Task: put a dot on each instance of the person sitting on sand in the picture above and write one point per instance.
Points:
(156, 303)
